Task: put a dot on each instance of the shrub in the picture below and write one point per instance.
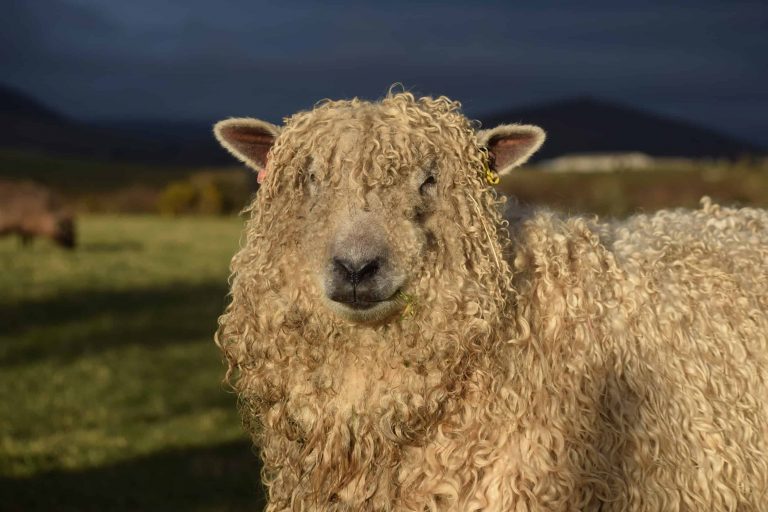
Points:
(178, 197)
(208, 193)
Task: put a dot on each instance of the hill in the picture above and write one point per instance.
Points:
(587, 125)
(26, 124)
(19, 106)
(579, 125)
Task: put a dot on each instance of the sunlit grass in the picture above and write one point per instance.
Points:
(108, 373)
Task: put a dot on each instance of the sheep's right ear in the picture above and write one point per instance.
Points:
(248, 139)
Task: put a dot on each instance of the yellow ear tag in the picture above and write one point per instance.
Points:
(490, 176)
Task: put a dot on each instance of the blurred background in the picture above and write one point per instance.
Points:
(120, 212)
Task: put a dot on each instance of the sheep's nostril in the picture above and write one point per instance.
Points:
(343, 268)
(356, 272)
(368, 270)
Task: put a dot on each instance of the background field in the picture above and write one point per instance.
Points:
(624, 192)
(110, 384)
(97, 186)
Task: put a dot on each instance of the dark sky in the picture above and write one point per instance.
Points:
(703, 61)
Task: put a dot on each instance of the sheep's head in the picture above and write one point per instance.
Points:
(368, 203)
(64, 232)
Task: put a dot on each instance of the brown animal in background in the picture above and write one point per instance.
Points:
(31, 210)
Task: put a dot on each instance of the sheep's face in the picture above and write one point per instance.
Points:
(367, 244)
(376, 203)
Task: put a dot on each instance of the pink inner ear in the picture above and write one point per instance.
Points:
(254, 143)
(508, 149)
(243, 135)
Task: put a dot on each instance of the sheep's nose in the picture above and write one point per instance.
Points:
(356, 272)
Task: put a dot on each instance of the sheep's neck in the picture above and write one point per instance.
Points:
(376, 418)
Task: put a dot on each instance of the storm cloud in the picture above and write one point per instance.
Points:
(191, 59)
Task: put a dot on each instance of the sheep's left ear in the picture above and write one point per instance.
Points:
(249, 140)
(511, 145)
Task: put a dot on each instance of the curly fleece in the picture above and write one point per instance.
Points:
(549, 364)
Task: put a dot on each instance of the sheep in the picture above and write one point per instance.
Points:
(400, 337)
(30, 210)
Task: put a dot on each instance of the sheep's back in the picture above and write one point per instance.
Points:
(665, 318)
(26, 206)
(697, 353)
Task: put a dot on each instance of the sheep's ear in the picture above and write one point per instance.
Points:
(511, 145)
(248, 139)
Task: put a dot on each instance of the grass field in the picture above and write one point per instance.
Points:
(110, 384)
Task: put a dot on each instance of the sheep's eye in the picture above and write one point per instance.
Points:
(428, 186)
(311, 183)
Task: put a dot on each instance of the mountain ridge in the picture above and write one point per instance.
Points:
(584, 124)
(574, 125)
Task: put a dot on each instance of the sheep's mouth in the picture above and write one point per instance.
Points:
(367, 310)
(361, 305)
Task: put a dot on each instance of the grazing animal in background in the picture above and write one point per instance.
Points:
(397, 345)
(31, 210)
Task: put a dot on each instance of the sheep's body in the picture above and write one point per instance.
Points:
(31, 210)
(656, 330)
(562, 364)
(645, 373)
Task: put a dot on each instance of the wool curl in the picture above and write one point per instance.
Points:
(550, 363)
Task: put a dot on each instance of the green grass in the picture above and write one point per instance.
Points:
(110, 384)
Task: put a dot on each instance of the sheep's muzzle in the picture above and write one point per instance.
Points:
(356, 283)
(361, 282)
